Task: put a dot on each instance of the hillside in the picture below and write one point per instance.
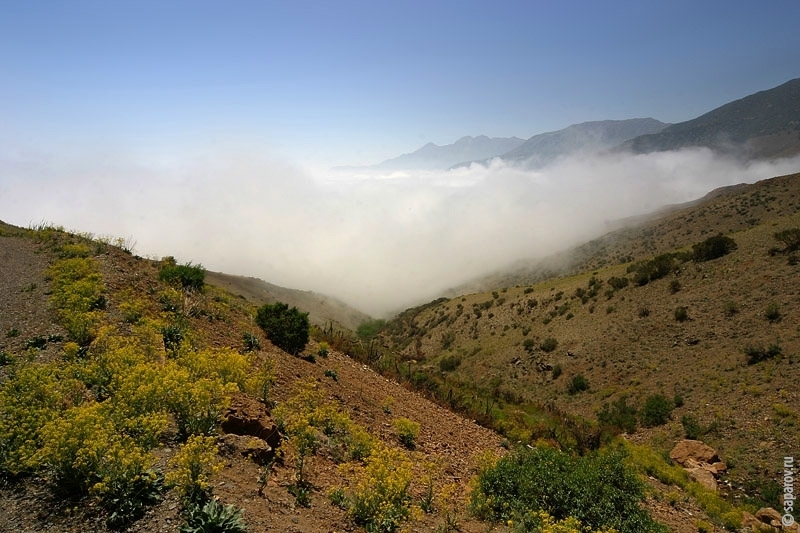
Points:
(760, 126)
(689, 336)
(87, 382)
(321, 309)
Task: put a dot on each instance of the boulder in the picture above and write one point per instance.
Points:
(692, 453)
(704, 477)
(770, 516)
(248, 446)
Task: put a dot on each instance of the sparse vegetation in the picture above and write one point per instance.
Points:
(773, 313)
(618, 415)
(681, 314)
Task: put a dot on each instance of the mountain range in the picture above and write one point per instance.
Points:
(759, 126)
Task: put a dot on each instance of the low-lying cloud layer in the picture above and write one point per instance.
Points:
(380, 243)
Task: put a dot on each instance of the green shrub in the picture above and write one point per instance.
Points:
(288, 329)
(186, 276)
(790, 238)
(713, 248)
(730, 308)
(529, 345)
(773, 313)
(619, 414)
(597, 489)
(449, 363)
(618, 283)
(323, 349)
(691, 427)
(557, 370)
(674, 286)
(656, 411)
(407, 431)
(756, 354)
(549, 344)
(682, 314)
(578, 384)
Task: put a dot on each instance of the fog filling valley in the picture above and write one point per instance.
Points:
(378, 242)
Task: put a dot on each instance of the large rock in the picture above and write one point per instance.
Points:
(704, 477)
(770, 516)
(692, 453)
(248, 446)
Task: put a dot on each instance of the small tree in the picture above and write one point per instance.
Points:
(286, 328)
(790, 238)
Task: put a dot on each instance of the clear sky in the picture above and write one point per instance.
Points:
(344, 82)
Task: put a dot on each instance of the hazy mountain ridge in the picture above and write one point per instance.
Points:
(762, 125)
(585, 138)
(322, 309)
(435, 157)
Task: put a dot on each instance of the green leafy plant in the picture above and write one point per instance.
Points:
(213, 517)
(251, 342)
(288, 329)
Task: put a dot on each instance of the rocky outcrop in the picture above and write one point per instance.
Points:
(700, 461)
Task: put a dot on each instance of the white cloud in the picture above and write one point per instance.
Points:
(379, 242)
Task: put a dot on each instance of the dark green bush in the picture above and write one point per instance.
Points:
(756, 354)
(790, 238)
(682, 314)
(578, 384)
(618, 283)
(713, 248)
(449, 363)
(557, 370)
(674, 286)
(187, 276)
(288, 329)
(691, 427)
(529, 345)
(549, 344)
(619, 415)
(598, 489)
(656, 411)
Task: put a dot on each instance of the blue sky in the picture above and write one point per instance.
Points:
(319, 83)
